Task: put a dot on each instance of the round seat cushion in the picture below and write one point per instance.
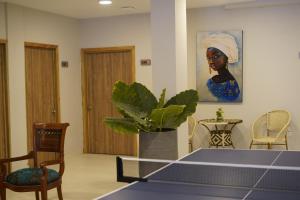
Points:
(30, 176)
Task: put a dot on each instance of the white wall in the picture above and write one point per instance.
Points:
(48, 28)
(30, 25)
(271, 64)
(121, 31)
(2, 21)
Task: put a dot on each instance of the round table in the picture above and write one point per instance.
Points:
(220, 131)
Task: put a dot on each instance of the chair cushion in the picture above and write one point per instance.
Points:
(30, 176)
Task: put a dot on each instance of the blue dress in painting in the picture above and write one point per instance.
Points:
(224, 91)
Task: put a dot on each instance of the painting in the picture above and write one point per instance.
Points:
(219, 71)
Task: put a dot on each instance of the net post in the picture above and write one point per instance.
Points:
(120, 173)
(119, 169)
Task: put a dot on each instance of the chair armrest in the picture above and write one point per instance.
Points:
(5, 161)
(8, 160)
(44, 165)
(284, 131)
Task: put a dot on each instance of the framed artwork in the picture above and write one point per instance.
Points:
(219, 71)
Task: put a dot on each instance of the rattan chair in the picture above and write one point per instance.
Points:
(271, 129)
(192, 123)
(46, 138)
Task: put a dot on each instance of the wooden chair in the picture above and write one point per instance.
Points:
(47, 137)
(271, 129)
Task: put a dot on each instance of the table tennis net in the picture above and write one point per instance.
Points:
(259, 177)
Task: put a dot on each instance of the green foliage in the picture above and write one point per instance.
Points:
(162, 99)
(141, 111)
(166, 118)
(122, 125)
(219, 114)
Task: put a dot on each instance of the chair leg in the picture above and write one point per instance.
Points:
(44, 191)
(251, 144)
(3, 194)
(37, 195)
(286, 144)
(44, 188)
(44, 194)
(59, 193)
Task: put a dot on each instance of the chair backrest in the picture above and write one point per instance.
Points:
(277, 119)
(274, 122)
(49, 137)
(192, 125)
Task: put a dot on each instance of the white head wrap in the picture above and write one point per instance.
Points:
(224, 42)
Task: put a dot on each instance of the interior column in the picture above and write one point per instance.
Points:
(169, 54)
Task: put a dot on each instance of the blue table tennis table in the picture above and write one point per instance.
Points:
(220, 183)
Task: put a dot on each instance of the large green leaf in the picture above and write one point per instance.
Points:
(121, 125)
(136, 95)
(189, 98)
(134, 113)
(161, 101)
(166, 117)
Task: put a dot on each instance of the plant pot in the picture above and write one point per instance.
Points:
(157, 145)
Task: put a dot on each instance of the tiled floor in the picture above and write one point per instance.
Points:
(86, 177)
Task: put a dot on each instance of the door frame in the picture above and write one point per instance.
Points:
(6, 95)
(56, 74)
(84, 79)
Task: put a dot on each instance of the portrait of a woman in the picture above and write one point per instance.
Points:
(221, 52)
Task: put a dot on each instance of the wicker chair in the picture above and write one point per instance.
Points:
(46, 138)
(192, 123)
(271, 129)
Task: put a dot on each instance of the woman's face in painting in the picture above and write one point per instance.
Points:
(216, 58)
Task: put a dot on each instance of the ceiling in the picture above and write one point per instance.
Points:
(82, 9)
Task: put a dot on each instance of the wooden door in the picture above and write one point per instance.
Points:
(101, 69)
(42, 96)
(4, 129)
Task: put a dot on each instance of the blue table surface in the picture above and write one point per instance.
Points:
(164, 190)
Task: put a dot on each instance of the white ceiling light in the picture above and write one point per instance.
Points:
(105, 2)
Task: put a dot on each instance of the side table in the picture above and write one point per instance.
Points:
(220, 131)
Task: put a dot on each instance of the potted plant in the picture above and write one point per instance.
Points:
(219, 115)
(154, 120)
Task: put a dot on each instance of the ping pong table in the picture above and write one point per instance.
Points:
(181, 182)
